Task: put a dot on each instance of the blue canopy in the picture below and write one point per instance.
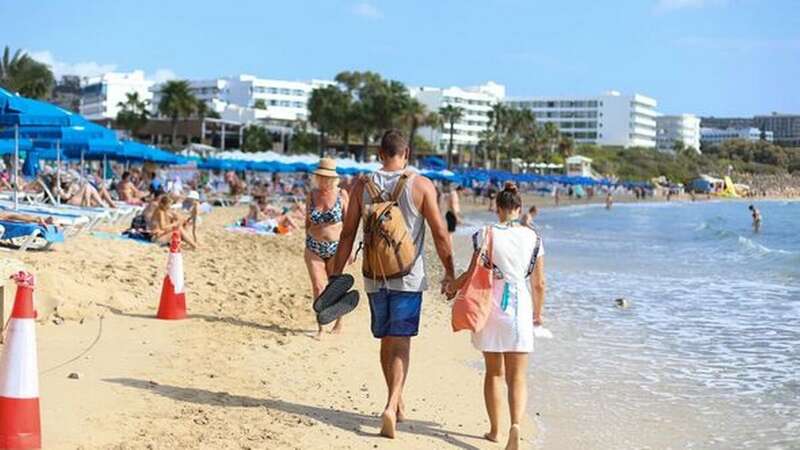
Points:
(16, 110)
(224, 164)
(7, 145)
(501, 176)
(433, 162)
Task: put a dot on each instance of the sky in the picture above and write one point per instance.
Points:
(708, 57)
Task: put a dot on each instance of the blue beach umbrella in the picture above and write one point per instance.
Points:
(30, 168)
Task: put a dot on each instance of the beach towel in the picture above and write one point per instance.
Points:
(264, 228)
(29, 236)
(120, 237)
(13, 230)
(250, 230)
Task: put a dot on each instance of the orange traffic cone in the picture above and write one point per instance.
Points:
(173, 299)
(20, 426)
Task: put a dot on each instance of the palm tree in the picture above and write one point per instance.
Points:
(498, 130)
(350, 82)
(177, 102)
(23, 74)
(550, 136)
(325, 107)
(451, 114)
(566, 146)
(417, 116)
(134, 114)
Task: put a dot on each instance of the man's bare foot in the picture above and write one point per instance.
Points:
(337, 328)
(491, 436)
(389, 420)
(513, 438)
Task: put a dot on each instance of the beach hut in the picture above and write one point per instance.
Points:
(579, 166)
(706, 184)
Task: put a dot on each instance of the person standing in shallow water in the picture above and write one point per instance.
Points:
(395, 303)
(517, 301)
(529, 217)
(756, 218)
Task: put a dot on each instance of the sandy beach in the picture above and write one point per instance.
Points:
(242, 371)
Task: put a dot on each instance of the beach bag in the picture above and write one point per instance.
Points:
(389, 250)
(473, 302)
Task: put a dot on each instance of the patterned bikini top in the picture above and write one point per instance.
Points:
(333, 215)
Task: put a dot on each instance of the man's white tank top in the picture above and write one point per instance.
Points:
(416, 280)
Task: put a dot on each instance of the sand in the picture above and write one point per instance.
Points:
(243, 370)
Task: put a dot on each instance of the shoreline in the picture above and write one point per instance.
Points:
(469, 206)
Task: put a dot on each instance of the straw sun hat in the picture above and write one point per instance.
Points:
(327, 168)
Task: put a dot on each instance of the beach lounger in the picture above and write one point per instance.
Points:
(25, 236)
(110, 215)
(72, 223)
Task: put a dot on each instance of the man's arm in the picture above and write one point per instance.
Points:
(352, 218)
(441, 238)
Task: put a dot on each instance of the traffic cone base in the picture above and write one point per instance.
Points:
(20, 423)
(172, 305)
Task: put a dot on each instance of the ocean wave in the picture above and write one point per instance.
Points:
(749, 244)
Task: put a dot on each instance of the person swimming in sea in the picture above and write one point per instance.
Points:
(756, 218)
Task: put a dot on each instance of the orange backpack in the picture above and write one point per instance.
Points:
(389, 250)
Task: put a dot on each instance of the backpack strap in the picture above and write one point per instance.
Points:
(400, 186)
(532, 264)
(372, 189)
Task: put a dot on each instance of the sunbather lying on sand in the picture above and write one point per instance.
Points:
(264, 215)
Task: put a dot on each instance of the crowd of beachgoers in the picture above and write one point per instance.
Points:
(780, 185)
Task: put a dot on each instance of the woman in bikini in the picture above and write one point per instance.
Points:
(326, 206)
(165, 221)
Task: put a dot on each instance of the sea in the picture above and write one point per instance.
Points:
(705, 353)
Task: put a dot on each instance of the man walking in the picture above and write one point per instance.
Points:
(395, 298)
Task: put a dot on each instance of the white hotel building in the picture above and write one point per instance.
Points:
(100, 95)
(235, 98)
(682, 127)
(714, 136)
(476, 102)
(609, 119)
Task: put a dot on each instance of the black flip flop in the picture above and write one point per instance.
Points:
(336, 288)
(347, 304)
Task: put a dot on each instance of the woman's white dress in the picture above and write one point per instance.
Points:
(509, 327)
